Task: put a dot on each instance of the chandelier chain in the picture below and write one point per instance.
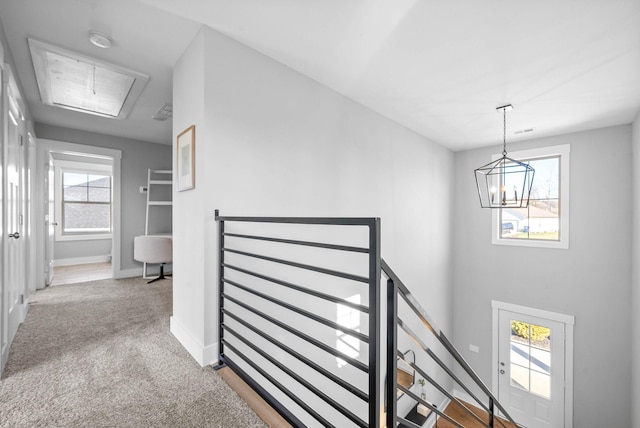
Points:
(504, 132)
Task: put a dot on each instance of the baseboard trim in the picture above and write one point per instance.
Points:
(128, 273)
(81, 260)
(463, 395)
(204, 355)
(431, 420)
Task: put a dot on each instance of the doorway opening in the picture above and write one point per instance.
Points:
(82, 217)
(81, 194)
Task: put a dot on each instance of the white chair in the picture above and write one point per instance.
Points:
(156, 249)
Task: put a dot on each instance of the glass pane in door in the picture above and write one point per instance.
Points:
(530, 358)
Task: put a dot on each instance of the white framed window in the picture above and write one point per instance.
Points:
(545, 222)
(84, 201)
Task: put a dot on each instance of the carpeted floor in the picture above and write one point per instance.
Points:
(100, 354)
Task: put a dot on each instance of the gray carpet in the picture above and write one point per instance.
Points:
(100, 354)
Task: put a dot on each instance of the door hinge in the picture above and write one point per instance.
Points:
(21, 140)
(21, 299)
(21, 218)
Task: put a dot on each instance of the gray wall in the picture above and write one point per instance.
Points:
(137, 157)
(79, 249)
(591, 280)
(635, 284)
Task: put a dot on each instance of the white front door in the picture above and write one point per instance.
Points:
(531, 369)
(14, 294)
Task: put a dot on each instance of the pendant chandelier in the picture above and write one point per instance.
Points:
(506, 182)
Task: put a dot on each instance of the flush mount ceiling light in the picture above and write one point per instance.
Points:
(504, 183)
(100, 40)
(78, 82)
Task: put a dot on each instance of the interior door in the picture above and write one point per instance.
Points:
(531, 369)
(14, 239)
(50, 223)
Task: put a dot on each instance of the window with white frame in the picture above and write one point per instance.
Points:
(545, 222)
(84, 194)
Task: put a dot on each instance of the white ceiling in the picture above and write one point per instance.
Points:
(146, 40)
(438, 67)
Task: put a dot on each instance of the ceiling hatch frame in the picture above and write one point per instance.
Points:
(100, 73)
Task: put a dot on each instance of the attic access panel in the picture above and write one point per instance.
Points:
(77, 82)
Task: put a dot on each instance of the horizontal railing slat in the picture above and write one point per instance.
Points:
(303, 243)
(278, 385)
(352, 361)
(302, 289)
(325, 271)
(329, 221)
(302, 381)
(336, 379)
(333, 325)
(226, 361)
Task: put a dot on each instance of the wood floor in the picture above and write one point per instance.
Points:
(257, 403)
(273, 418)
(81, 273)
(460, 415)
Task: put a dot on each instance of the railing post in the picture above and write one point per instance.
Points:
(220, 286)
(491, 412)
(392, 346)
(376, 402)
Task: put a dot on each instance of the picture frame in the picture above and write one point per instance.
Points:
(186, 159)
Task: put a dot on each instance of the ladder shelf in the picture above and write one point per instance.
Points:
(157, 179)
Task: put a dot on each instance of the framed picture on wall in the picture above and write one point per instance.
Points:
(186, 159)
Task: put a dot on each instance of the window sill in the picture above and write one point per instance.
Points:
(83, 237)
(562, 245)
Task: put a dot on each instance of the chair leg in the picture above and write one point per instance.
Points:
(159, 277)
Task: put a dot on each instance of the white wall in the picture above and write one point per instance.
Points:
(270, 141)
(635, 284)
(591, 280)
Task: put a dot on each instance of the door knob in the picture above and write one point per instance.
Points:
(501, 371)
(15, 235)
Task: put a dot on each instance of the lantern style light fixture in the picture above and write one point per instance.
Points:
(506, 182)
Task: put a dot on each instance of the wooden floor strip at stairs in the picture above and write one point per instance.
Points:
(459, 414)
(257, 403)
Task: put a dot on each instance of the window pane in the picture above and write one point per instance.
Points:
(519, 377)
(74, 178)
(75, 193)
(94, 218)
(546, 183)
(541, 219)
(530, 357)
(99, 180)
(99, 194)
